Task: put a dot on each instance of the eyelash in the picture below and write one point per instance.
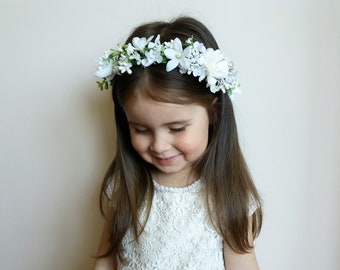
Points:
(177, 130)
(172, 130)
(141, 131)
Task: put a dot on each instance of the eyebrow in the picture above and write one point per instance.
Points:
(181, 122)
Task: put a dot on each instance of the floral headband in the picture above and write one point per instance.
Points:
(194, 59)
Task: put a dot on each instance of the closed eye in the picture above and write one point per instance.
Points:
(177, 129)
(140, 130)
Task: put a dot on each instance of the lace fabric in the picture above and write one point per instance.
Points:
(178, 234)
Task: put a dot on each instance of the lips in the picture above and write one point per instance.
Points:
(166, 160)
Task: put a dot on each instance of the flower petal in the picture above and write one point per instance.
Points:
(172, 64)
(177, 45)
(170, 53)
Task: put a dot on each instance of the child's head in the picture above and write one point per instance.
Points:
(156, 83)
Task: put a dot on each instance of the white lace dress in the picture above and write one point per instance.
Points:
(178, 234)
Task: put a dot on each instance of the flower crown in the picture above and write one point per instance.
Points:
(190, 58)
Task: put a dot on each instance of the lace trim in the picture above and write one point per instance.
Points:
(193, 187)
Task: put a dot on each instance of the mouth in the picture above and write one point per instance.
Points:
(166, 160)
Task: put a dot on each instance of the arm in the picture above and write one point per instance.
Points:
(235, 261)
(106, 262)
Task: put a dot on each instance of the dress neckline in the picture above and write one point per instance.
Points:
(192, 187)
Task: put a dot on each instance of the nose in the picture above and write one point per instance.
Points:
(160, 144)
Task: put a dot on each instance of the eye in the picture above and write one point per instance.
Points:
(177, 129)
(140, 130)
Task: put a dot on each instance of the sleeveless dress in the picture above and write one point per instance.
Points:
(178, 234)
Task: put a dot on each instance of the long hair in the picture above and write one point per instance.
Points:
(228, 185)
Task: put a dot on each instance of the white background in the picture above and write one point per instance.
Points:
(56, 127)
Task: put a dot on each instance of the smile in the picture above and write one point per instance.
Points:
(167, 160)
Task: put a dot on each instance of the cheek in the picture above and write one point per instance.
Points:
(193, 144)
(139, 143)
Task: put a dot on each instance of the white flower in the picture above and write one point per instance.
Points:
(130, 49)
(215, 63)
(155, 44)
(175, 54)
(136, 56)
(104, 68)
(140, 43)
(154, 53)
(125, 67)
(217, 67)
(198, 48)
(192, 55)
(152, 57)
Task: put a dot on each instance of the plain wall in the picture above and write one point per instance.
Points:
(56, 127)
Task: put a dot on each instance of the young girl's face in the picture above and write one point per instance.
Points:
(169, 136)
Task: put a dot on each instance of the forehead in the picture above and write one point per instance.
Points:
(146, 111)
(159, 85)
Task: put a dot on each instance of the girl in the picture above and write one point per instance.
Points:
(178, 194)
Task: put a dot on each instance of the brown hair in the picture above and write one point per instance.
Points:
(222, 169)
